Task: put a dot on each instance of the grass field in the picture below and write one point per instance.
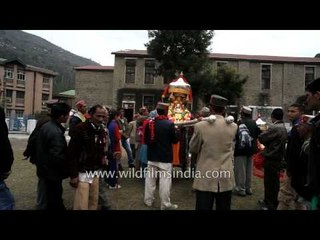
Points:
(23, 181)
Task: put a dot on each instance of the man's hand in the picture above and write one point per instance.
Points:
(74, 182)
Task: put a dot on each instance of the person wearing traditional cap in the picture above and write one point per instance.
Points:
(313, 103)
(79, 117)
(243, 157)
(160, 134)
(213, 143)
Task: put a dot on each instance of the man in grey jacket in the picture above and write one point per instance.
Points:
(274, 140)
(213, 143)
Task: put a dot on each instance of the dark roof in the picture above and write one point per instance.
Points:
(132, 53)
(97, 68)
(4, 61)
(225, 56)
(263, 58)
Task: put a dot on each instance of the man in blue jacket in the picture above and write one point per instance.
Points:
(160, 134)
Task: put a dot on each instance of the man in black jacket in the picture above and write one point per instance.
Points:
(313, 103)
(51, 151)
(160, 134)
(6, 198)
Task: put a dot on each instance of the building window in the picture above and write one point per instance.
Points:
(221, 64)
(19, 113)
(8, 96)
(21, 75)
(149, 71)
(265, 77)
(8, 113)
(148, 101)
(309, 74)
(20, 97)
(130, 70)
(8, 73)
(46, 82)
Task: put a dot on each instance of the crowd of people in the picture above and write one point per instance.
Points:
(100, 136)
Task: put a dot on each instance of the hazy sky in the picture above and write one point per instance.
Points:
(98, 45)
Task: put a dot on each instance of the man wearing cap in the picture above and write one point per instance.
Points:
(79, 116)
(160, 134)
(243, 157)
(213, 143)
(313, 103)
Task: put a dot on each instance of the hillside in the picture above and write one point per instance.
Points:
(34, 50)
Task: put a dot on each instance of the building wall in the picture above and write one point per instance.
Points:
(287, 81)
(32, 91)
(95, 87)
(138, 87)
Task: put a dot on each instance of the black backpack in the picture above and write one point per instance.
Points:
(31, 149)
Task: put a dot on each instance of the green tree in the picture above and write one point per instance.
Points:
(180, 50)
(187, 51)
(224, 81)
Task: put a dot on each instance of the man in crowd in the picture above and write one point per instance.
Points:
(213, 143)
(6, 198)
(79, 117)
(160, 134)
(287, 194)
(52, 166)
(86, 154)
(243, 156)
(313, 103)
(274, 139)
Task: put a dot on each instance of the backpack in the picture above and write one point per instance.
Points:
(31, 149)
(244, 138)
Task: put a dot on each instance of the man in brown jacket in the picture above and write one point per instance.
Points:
(214, 144)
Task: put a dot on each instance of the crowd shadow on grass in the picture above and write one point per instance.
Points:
(23, 184)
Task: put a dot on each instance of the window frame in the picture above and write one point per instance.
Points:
(262, 79)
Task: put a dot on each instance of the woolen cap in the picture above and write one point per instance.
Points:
(246, 110)
(162, 105)
(80, 103)
(218, 101)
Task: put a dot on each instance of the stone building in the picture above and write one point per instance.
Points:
(94, 84)
(272, 80)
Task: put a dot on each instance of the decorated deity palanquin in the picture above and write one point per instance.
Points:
(179, 94)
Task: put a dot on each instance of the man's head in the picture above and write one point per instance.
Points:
(246, 112)
(205, 112)
(313, 95)
(81, 106)
(97, 114)
(144, 111)
(162, 108)
(60, 112)
(218, 104)
(295, 112)
(277, 115)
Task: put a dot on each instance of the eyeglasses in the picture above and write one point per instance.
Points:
(101, 115)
